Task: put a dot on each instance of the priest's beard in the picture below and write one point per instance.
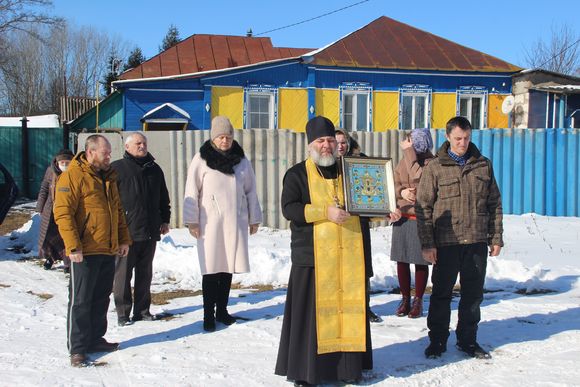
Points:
(323, 161)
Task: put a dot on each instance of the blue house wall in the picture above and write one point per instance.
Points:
(390, 80)
(142, 97)
(287, 74)
(188, 93)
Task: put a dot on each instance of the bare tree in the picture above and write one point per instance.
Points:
(71, 63)
(58, 59)
(24, 79)
(560, 54)
(25, 16)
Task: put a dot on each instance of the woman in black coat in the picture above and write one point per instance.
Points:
(50, 244)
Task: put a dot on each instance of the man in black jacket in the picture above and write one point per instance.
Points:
(146, 203)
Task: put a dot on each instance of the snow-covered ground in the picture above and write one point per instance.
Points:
(530, 319)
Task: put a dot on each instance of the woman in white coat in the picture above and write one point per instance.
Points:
(220, 208)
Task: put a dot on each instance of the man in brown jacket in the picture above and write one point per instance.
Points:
(91, 221)
(459, 214)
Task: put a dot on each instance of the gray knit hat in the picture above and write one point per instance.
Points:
(221, 125)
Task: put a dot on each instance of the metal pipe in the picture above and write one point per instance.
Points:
(97, 110)
(25, 158)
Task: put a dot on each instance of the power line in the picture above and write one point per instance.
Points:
(558, 54)
(313, 18)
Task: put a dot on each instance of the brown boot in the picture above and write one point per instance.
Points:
(404, 307)
(78, 360)
(417, 308)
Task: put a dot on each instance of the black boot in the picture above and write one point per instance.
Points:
(48, 264)
(435, 349)
(223, 295)
(474, 350)
(209, 289)
(373, 317)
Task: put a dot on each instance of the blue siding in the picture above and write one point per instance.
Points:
(550, 171)
(529, 174)
(286, 74)
(393, 80)
(166, 112)
(294, 74)
(537, 170)
(504, 174)
(179, 84)
(572, 176)
(192, 94)
(540, 147)
(139, 102)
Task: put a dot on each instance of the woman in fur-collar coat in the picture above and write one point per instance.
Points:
(50, 243)
(220, 209)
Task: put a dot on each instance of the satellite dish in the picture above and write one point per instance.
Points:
(508, 104)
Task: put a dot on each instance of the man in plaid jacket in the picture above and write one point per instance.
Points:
(459, 214)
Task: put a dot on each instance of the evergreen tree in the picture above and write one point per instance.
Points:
(113, 64)
(170, 39)
(135, 59)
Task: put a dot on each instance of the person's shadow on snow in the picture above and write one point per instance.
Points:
(160, 337)
(248, 297)
(561, 284)
(248, 315)
(401, 360)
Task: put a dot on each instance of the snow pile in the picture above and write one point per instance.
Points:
(533, 243)
(24, 240)
(45, 121)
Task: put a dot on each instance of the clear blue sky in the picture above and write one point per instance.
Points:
(503, 28)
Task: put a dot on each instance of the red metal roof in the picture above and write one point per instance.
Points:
(388, 44)
(211, 52)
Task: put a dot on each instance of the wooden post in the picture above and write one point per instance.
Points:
(65, 135)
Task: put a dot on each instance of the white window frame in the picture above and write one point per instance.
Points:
(261, 91)
(469, 93)
(415, 91)
(355, 89)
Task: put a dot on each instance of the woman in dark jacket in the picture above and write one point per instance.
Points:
(50, 244)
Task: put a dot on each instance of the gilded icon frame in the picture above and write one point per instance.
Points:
(368, 185)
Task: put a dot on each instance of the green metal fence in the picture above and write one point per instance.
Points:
(27, 165)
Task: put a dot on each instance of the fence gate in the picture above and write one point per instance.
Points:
(26, 153)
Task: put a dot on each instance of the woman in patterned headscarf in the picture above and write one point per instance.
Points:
(405, 246)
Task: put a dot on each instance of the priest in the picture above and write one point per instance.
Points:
(325, 332)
